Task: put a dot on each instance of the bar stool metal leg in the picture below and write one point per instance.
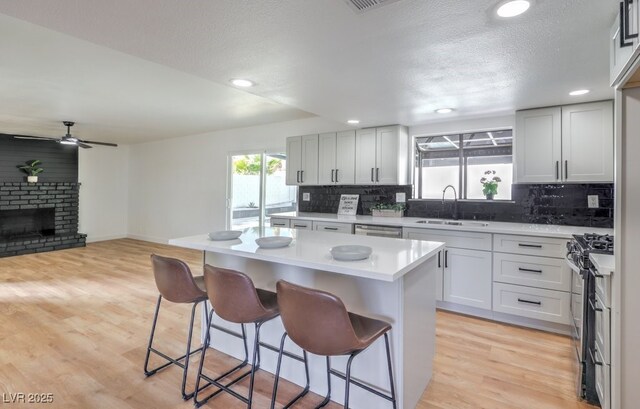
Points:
(172, 361)
(392, 384)
(281, 352)
(348, 380)
(327, 397)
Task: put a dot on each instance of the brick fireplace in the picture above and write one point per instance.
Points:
(38, 217)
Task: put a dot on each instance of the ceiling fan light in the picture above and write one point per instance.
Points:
(68, 142)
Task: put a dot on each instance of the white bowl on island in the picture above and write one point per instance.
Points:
(273, 242)
(225, 235)
(351, 252)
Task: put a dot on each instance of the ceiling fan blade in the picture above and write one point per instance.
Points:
(83, 145)
(42, 138)
(98, 143)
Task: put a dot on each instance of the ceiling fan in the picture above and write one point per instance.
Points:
(67, 139)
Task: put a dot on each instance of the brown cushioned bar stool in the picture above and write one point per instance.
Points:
(319, 323)
(175, 284)
(235, 299)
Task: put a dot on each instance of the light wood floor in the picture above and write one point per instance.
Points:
(75, 323)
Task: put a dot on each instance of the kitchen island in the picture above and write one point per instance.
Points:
(396, 283)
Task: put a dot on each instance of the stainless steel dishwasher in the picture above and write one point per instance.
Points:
(380, 231)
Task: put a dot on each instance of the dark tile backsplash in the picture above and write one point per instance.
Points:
(539, 204)
(326, 199)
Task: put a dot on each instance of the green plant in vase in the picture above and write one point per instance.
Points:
(32, 170)
(490, 184)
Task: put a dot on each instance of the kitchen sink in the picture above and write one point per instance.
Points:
(453, 223)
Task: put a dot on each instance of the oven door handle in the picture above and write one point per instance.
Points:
(593, 358)
(592, 304)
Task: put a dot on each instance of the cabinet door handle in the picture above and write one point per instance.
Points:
(528, 270)
(627, 34)
(372, 174)
(566, 169)
(623, 43)
(337, 175)
(333, 171)
(529, 301)
(377, 174)
(557, 170)
(302, 176)
(533, 246)
(299, 225)
(278, 224)
(439, 259)
(446, 259)
(298, 176)
(330, 228)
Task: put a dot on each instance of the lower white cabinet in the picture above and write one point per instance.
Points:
(332, 227)
(537, 303)
(467, 277)
(279, 222)
(603, 380)
(301, 224)
(532, 271)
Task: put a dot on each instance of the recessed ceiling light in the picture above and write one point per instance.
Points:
(444, 110)
(579, 92)
(238, 82)
(513, 8)
(353, 121)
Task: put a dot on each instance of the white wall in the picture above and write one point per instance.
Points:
(177, 187)
(103, 174)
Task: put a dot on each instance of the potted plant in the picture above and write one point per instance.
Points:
(490, 186)
(387, 210)
(32, 170)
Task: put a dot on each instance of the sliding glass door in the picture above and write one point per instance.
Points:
(257, 189)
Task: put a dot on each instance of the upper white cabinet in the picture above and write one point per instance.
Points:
(302, 160)
(587, 142)
(572, 143)
(373, 156)
(538, 145)
(382, 156)
(336, 158)
(623, 41)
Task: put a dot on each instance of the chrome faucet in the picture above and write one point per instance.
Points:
(455, 200)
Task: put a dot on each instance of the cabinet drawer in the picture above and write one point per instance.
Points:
(603, 330)
(532, 271)
(546, 305)
(279, 222)
(301, 224)
(603, 381)
(333, 227)
(529, 245)
(457, 239)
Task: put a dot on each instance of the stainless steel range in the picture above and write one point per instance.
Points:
(582, 307)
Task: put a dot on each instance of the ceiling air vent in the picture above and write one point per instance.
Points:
(360, 6)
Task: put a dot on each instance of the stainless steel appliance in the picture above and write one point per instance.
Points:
(381, 231)
(582, 307)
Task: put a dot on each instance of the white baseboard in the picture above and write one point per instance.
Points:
(94, 239)
(148, 238)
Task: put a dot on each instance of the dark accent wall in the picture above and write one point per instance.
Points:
(326, 199)
(60, 162)
(538, 204)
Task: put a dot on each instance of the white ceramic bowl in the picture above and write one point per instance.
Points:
(351, 252)
(273, 242)
(225, 235)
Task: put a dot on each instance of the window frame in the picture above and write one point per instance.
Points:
(462, 186)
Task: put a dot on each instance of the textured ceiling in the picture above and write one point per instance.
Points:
(394, 64)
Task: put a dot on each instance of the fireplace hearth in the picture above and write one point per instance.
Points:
(38, 217)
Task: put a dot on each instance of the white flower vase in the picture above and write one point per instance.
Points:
(32, 179)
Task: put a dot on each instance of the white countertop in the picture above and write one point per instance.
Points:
(543, 230)
(604, 263)
(390, 260)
